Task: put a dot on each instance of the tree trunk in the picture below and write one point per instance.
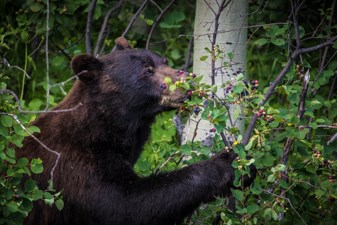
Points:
(226, 28)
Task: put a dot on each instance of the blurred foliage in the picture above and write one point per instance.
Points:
(309, 188)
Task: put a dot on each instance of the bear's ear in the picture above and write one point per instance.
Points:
(122, 44)
(85, 66)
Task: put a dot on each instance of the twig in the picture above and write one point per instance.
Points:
(332, 139)
(289, 202)
(47, 56)
(165, 163)
(58, 155)
(6, 91)
(217, 14)
(141, 8)
(89, 26)
(162, 13)
(189, 53)
(104, 25)
(303, 96)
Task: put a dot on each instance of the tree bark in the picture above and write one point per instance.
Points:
(229, 33)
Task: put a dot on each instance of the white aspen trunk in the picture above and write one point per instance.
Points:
(231, 37)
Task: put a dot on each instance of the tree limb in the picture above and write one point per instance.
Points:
(104, 25)
(162, 13)
(89, 26)
(141, 8)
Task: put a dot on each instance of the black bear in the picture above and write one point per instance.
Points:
(117, 97)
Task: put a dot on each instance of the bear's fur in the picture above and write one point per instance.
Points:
(116, 99)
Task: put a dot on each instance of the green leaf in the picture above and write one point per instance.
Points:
(59, 204)
(36, 195)
(36, 166)
(30, 185)
(253, 208)
(273, 111)
(22, 162)
(238, 194)
(261, 41)
(203, 58)
(168, 80)
(311, 168)
(35, 7)
(12, 207)
(173, 87)
(35, 104)
(278, 42)
(6, 121)
(271, 178)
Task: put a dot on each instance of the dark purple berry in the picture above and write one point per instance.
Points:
(196, 110)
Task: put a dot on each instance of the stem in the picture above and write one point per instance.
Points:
(47, 57)
(104, 25)
(89, 25)
(24, 73)
(155, 23)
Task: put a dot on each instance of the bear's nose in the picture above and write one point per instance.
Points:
(181, 73)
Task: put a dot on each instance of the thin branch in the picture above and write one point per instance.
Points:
(155, 4)
(47, 56)
(332, 139)
(58, 155)
(89, 26)
(6, 91)
(289, 202)
(141, 8)
(104, 26)
(155, 23)
(303, 96)
(189, 54)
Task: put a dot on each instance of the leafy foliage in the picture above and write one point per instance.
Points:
(300, 189)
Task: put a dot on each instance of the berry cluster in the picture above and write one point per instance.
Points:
(317, 154)
(266, 117)
(212, 130)
(255, 84)
(332, 179)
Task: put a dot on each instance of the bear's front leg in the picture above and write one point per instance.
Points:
(159, 199)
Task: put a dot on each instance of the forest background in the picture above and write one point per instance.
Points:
(286, 98)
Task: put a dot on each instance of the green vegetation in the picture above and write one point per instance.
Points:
(293, 147)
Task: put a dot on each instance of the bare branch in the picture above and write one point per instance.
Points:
(141, 8)
(6, 91)
(104, 26)
(156, 21)
(47, 56)
(89, 26)
(303, 96)
(189, 53)
(332, 139)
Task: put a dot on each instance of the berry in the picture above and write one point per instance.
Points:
(213, 130)
(181, 72)
(196, 110)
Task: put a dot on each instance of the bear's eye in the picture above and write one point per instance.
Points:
(149, 69)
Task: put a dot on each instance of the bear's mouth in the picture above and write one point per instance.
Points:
(173, 101)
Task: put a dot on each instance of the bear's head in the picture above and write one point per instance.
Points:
(129, 79)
